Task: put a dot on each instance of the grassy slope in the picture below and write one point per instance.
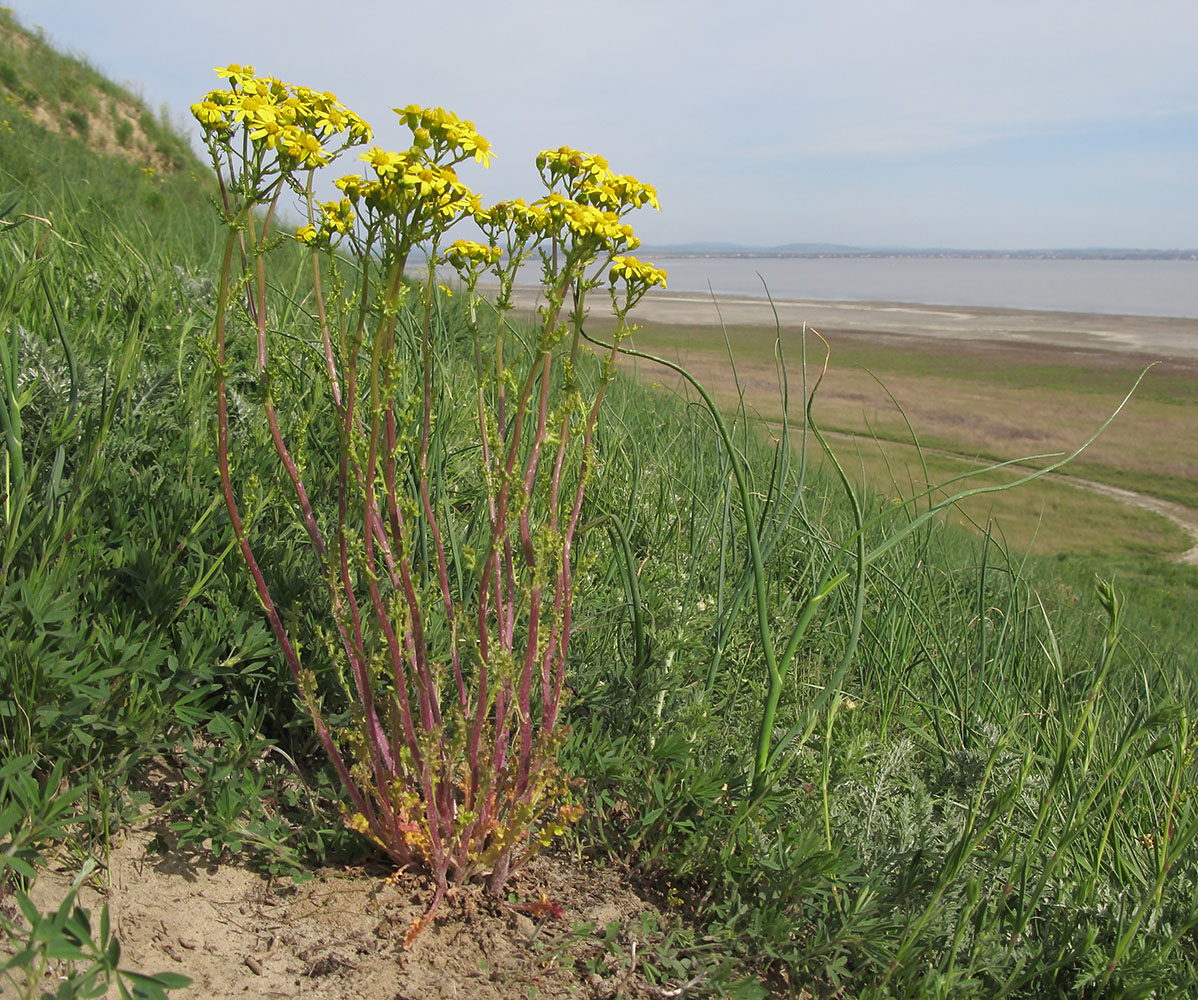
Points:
(66, 96)
(981, 804)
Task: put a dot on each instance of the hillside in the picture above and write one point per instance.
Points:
(812, 741)
(65, 96)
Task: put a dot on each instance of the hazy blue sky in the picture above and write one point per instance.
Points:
(967, 123)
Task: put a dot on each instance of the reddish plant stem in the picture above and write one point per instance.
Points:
(567, 587)
(524, 701)
(381, 755)
(382, 425)
(429, 516)
(243, 542)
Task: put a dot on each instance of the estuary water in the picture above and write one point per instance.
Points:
(1126, 287)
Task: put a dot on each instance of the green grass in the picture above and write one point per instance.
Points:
(1046, 518)
(910, 826)
(976, 402)
(979, 762)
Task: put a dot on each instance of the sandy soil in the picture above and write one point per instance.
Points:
(339, 935)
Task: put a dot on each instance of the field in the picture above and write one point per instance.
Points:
(817, 739)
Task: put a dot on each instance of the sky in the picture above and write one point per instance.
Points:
(998, 124)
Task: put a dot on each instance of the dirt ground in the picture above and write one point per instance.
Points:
(339, 935)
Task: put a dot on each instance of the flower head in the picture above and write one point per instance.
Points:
(636, 273)
(385, 163)
(296, 121)
(465, 254)
(444, 135)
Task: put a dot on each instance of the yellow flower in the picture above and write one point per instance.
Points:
(303, 147)
(633, 193)
(426, 180)
(386, 164)
(587, 220)
(208, 113)
(463, 252)
(337, 216)
(234, 72)
(636, 272)
(478, 147)
(515, 218)
(576, 168)
(351, 186)
(323, 113)
(443, 132)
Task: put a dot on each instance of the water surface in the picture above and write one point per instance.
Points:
(1126, 287)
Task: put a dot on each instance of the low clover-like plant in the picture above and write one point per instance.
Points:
(446, 560)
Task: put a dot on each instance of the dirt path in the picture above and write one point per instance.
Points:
(1185, 518)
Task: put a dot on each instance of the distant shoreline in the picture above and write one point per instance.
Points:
(1157, 336)
(882, 253)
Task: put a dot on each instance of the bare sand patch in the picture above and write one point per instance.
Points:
(238, 933)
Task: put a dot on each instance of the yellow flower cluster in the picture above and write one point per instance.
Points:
(336, 219)
(295, 121)
(467, 253)
(588, 179)
(440, 132)
(418, 186)
(515, 217)
(620, 191)
(586, 220)
(409, 186)
(408, 197)
(572, 165)
(636, 272)
(588, 200)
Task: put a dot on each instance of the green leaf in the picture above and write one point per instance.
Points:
(20, 960)
(31, 912)
(151, 987)
(65, 950)
(19, 865)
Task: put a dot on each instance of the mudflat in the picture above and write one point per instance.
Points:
(975, 383)
(1161, 337)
